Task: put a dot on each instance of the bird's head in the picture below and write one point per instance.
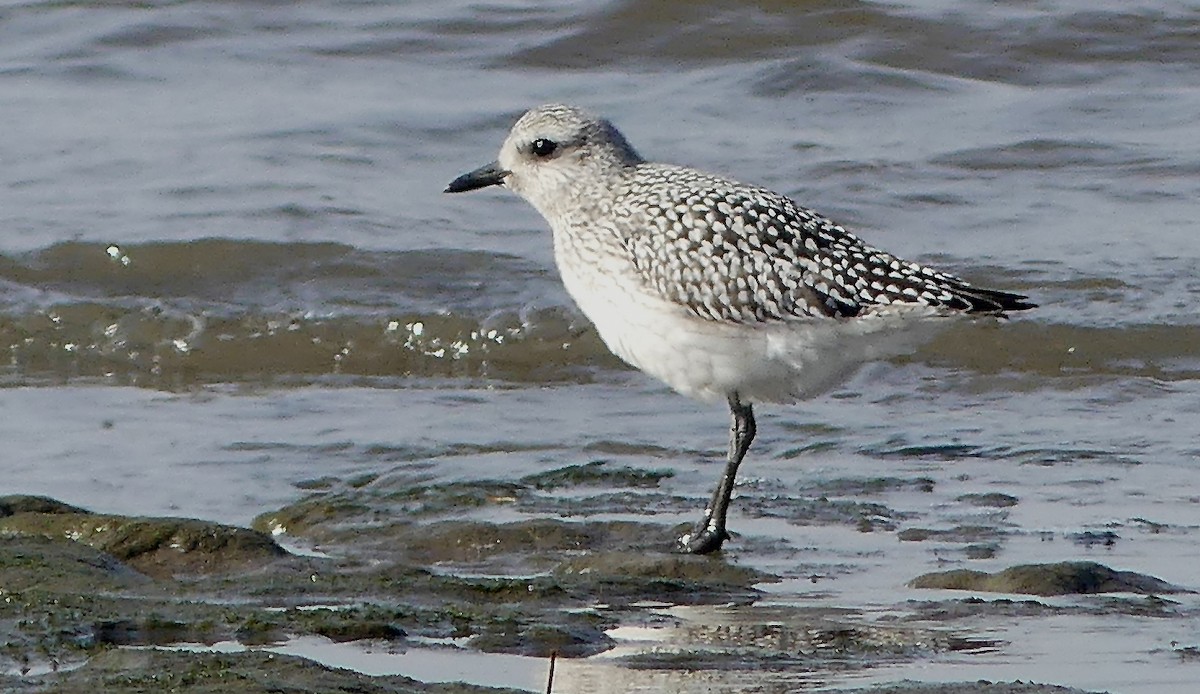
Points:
(551, 154)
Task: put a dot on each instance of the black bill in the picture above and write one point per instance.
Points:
(484, 176)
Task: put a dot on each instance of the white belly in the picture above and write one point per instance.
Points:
(709, 360)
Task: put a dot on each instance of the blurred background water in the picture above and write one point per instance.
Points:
(226, 265)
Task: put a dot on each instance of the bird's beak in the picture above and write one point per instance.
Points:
(484, 176)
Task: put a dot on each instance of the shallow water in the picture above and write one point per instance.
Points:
(226, 268)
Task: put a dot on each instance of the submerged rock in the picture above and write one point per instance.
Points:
(979, 687)
(961, 533)
(1063, 578)
(568, 640)
(251, 672)
(992, 499)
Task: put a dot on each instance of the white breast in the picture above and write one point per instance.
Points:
(781, 361)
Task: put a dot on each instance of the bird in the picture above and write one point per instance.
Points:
(722, 290)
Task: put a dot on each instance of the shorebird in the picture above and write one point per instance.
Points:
(721, 290)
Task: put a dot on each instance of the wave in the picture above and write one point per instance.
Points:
(175, 315)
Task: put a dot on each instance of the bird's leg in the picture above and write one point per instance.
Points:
(707, 535)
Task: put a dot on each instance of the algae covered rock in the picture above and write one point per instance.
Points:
(159, 547)
(20, 503)
(1062, 578)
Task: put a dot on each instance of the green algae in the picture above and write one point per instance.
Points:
(990, 499)
(597, 473)
(860, 486)
(1063, 578)
(961, 533)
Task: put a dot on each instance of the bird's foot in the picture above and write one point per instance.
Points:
(703, 538)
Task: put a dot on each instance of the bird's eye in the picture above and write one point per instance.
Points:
(543, 148)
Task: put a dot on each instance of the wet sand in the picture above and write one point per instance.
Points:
(481, 580)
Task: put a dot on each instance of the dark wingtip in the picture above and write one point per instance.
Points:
(993, 300)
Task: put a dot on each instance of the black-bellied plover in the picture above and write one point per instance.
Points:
(720, 289)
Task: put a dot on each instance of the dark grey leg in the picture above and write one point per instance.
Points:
(707, 535)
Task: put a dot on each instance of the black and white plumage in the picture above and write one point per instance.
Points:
(732, 252)
(720, 289)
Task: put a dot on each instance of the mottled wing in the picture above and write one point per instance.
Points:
(736, 253)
